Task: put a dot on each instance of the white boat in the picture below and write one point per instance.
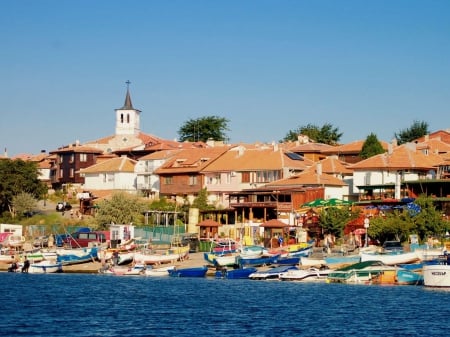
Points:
(307, 275)
(390, 259)
(437, 275)
(311, 262)
(76, 255)
(158, 272)
(45, 267)
(251, 251)
(137, 269)
(229, 259)
(167, 256)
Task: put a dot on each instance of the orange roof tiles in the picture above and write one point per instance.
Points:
(119, 164)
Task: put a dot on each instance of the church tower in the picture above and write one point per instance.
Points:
(127, 117)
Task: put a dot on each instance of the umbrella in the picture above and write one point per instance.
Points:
(337, 202)
(315, 203)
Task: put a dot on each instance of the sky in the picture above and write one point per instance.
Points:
(269, 67)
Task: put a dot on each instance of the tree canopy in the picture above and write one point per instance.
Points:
(203, 129)
(18, 176)
(416, 130)
(327, 134)
(371, 147)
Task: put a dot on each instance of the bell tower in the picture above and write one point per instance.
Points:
(127, 117)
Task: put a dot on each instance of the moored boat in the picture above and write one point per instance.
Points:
(391, 258)
(310, 275)
(188, 272)
(438, 274)
(241, 273)
(270, 273)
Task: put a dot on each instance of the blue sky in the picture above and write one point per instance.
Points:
(267, 66)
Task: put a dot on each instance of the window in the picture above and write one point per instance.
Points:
(104, 177)
(192, 180)
(71, 172)
(245, 177)
(121, 118)
(71, 158)
(168, 180)
(128, 118)
(83, 157)
(61, 173)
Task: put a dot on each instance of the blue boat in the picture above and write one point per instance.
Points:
(288, 260)
(241, 273)
(188, 272)
(258, 261)
(76, 255)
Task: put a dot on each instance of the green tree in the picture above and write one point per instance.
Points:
(203, 129)
(394, 226)
(122, 208)
(201, 201)
(333, 220)
(23, 202)
(17, 176)
(429, 220)
(416, 130)
(327, 134)
(371, 147)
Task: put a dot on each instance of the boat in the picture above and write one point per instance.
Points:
(288, 260)
(311, 262)
(258, 261)
(76, 255)
(157, 257)
(251, 251)
(271, 273)
(158, 272)
(188, 272)
(342, 259)
(221, 260)
(45, 267)
(309, 274)
(241, 273)
(137, 269)
(437, 275)
(374, 272)
(223, 246)
(392, 258)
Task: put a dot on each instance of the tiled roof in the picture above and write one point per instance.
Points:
(77, 149)
(309, 178)
(352, 147)
(312, 148)
(159, 155)
(434, 145)
(402, 157)
(443, 135)
(256, 159)
(191, 160)
(120, 164)
(332, 165)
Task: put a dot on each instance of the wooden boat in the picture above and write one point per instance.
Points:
(76, 255)
(137, 269)
(373, 272)
(257, 261)
(251, 251)
(188, 272)
(310, 274)
(241, 273)
(158, 272)
(271, 273)
(311, 262)
(438, 274)
(342, 259)
(390, 259)
(223, 260)
(159, 257)
(45, 267)
(288, 260)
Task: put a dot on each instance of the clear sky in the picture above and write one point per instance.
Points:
(267, 66)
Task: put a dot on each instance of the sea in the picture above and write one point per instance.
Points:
(91, 305)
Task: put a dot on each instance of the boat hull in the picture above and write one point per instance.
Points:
(437, 275)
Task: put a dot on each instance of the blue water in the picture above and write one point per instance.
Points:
(106, 305)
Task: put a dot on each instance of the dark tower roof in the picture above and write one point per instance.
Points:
(127, 105)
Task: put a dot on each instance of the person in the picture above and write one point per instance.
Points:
(115, 258)
(26, 265)
(13, 267)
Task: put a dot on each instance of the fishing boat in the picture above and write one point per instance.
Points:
(188, 272)
(137, 269)
(221, 260)
(311, 274)
(258, 261)
(156, 257)
(45, 267)
(158, 272)
(241, 273)
(250, 251)
(390, 258)
(76, 255)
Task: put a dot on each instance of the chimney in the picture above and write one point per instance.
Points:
(319, 169)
